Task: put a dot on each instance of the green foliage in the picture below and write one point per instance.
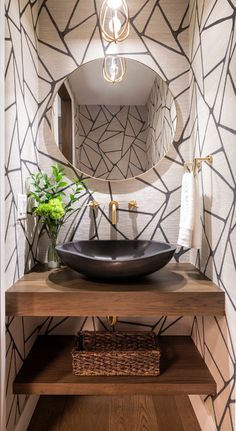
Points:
(52, 203)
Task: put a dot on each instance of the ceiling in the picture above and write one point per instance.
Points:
(90, 87)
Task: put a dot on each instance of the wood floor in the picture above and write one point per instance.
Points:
(116, 413)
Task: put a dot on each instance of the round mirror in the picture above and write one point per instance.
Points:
(114, 131)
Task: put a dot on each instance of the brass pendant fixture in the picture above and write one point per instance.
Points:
(114, 68)
(114, 20)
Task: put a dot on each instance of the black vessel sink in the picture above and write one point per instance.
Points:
(115, 259)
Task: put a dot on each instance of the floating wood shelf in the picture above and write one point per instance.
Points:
(48, 371)
(177, 289)
(129, 413)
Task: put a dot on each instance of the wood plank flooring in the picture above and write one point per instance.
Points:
(103, 413)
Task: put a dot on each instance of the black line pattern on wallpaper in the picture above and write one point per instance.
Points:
(21, 159)
(161, 123)
(213, 108)
(27, 108)
(118, 142)
(111, 141)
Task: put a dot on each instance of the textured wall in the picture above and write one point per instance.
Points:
(213, 113)
(117, 142)
(161, 123)
(21, 158)
(112, 141)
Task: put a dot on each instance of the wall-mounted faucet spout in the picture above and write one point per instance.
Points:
(114, 205)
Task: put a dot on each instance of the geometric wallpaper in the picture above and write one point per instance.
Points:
(118, 142)
(46, 41)
(161, 123)
(21, 237)
(111, 141)
(213, 125)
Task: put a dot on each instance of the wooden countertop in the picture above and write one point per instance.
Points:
(177, 289)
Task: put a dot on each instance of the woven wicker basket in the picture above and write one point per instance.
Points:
(116, 354)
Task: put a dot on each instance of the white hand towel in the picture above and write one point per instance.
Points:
(186, 211)
(197, 227)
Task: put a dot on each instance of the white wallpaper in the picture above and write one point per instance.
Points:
(161, 123)
(118, 142)
(21, 237)
(111, 141)
(213, 113)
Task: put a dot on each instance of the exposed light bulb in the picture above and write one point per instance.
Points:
(114, 4)
(114, 20)
(114, 68)
(115, 25)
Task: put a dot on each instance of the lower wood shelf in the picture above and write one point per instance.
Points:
(48, 371)
(128, 413)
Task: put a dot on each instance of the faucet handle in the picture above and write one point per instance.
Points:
(94, 204)
(133, 205)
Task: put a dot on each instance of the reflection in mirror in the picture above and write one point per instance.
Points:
(118, 130)
(62, 122)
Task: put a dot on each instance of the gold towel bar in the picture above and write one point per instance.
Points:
(196, 163)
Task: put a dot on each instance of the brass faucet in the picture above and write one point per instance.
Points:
(113, 205)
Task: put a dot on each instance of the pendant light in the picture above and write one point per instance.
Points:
(114, 20)
(114, 68)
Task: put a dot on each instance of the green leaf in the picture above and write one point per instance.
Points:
(58, 178)
(62, 184)
(54, 170)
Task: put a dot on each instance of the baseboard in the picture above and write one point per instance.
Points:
(27, 413)
(206, 421)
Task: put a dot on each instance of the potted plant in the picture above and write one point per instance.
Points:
(54, 201)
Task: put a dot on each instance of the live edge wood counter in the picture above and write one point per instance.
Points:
(177, 289)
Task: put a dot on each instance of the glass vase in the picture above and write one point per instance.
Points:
(53, 258)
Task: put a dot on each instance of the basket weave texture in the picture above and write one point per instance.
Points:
(116, 354)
